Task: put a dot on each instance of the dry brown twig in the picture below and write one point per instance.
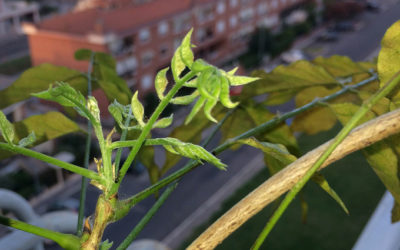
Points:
(361, 137)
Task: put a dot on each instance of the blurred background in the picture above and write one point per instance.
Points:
(142, 36)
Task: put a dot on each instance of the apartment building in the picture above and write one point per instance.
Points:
(143, 34)
(12, 13)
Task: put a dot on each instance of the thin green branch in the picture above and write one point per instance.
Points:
(147, 128)
(66, 241)
(127, 204)
(82, 197)
(281, 118)
(42, 157)
(367, 105)
(142, 223)
(123, 138)
(259, 129)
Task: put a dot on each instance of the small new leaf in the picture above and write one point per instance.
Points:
(116, 110)
(240, 80)
(186, 50)
(188, 150)
(185, 100)
(7, 129)
(27, 141)
(183, 57)
(161, 82)
(137, 109)
(164, 122)
(93, 108)
(106, 245)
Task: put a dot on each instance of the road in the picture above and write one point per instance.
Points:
(199, 185)
(13, 47)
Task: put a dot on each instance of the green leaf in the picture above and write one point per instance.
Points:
(66, 96)
(164, 122)
(188, 150)
(277, 151)
(188, 133)
(298, 75)
(137, 109)
(241, 80)
(38, 79)
(196, 108)
(46, 127)
(395, 212)
(388, 59)
(114, 87)
(206, 82)
(106, 245)
(224, 95)
(183, 57)
(200, 66)
(62, 94)
(210, 104)
(7, 130)
(191, 84)
(249, 115)
(185, 100)
(93, 108)
(323, 183)
(83, 54)
(27, 141)
(340, 66)
(116, 110)
(186, 50)
(316, 119)
(161, 82)
(344, 112)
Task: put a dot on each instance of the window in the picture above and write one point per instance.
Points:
(163, 28)
(147, 57)
(233, 21)
(204, 34)
(274, 4)
(147, 81)
(127, 66)
(205, 13)
(220, 26)
(246, 15)
(164, 50)
(121, 46)
(233, 3)
(262, 9)
(144, 35)
(182, 23)
(220, 7)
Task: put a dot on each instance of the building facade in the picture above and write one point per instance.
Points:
(142, 35)
(12, 13)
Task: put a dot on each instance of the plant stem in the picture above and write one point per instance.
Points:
(139, 227)
(127, 204)
(65, 165)
(66, 241)
(123, 138)
(280, 118)
(146, 130)
(82, 198)
(367, 105)
(259, 129)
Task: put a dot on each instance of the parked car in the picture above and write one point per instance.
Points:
(343, 26)
(372, 6)
(292, 56)
(328, 36)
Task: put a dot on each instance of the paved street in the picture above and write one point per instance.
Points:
(13, 47)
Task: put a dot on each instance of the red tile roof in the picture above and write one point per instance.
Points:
(118, 21)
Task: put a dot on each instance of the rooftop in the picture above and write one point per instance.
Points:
(119, 20)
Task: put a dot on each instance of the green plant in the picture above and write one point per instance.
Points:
(325, 89)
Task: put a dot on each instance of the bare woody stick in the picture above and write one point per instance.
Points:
(361, 137)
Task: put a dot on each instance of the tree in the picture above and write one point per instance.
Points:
(363, 96)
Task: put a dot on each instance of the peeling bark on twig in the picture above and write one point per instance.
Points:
(361, 137)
